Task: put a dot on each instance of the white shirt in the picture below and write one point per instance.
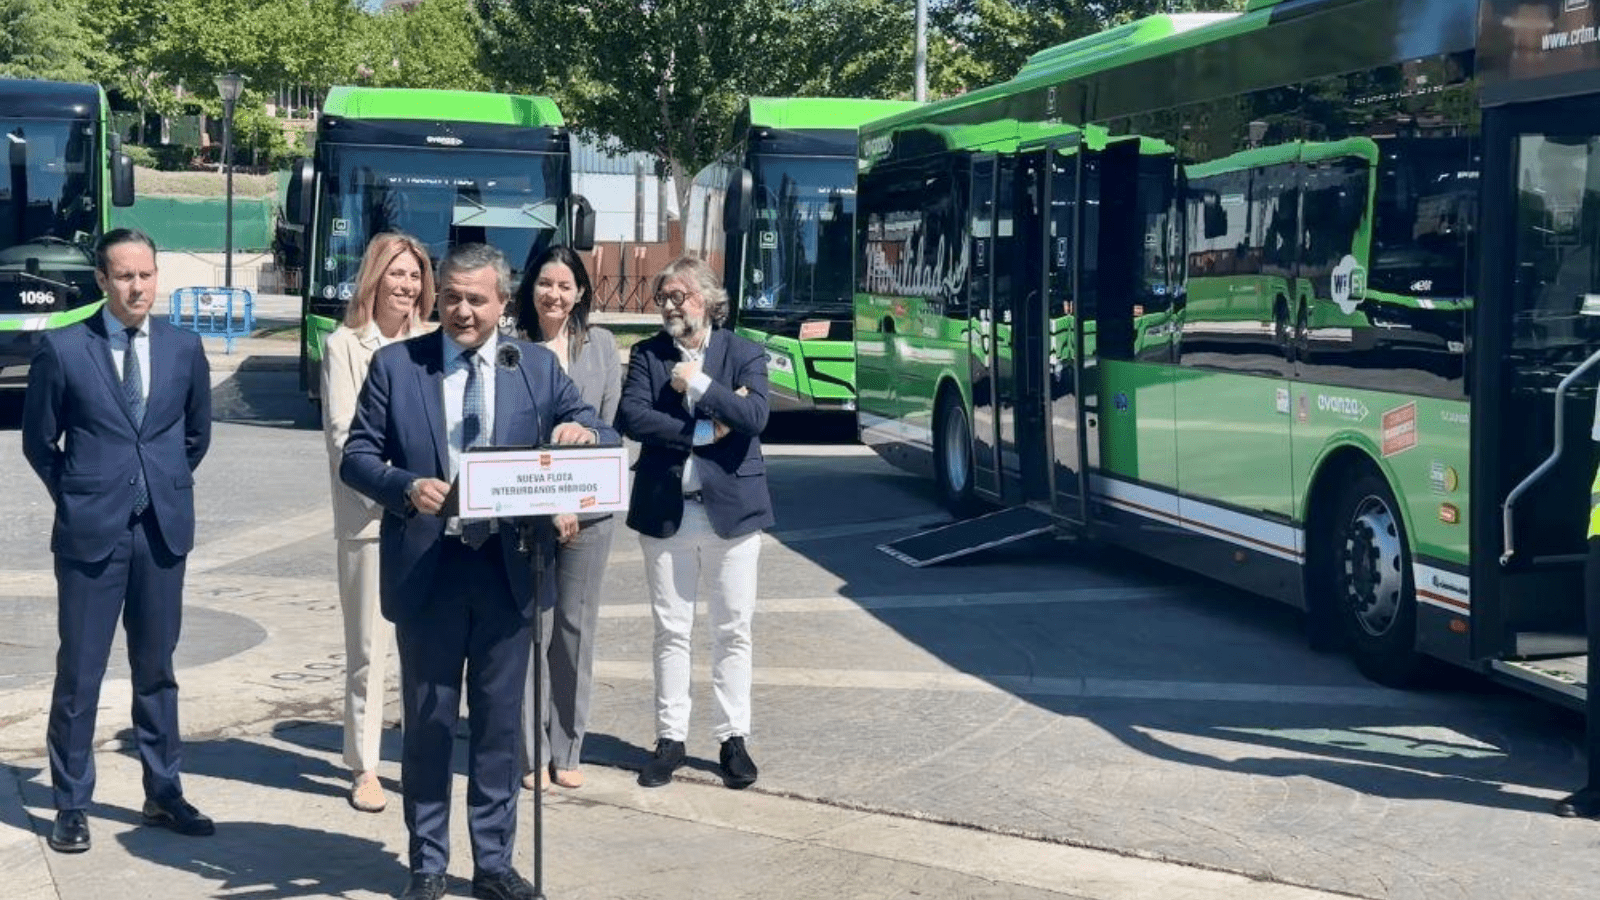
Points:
(118, 333)
(455, 389)
(703, 433)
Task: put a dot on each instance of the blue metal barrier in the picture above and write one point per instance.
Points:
(215, 312)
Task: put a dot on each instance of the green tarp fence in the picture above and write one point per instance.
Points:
(197, 225)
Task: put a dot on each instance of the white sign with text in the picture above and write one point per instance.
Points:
(543, 482)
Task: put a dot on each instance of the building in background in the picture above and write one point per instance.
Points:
(637, 228)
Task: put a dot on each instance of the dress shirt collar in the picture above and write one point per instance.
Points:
(453, 350)
(114, 326)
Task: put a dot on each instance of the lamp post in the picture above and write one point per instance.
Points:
(229, 87)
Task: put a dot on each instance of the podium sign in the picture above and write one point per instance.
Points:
(499, 483)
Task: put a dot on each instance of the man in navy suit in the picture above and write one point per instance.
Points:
(117, 417)
(459, 594)
(695, 398)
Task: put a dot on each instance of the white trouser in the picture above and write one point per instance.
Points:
(368, 637)
(673, 568)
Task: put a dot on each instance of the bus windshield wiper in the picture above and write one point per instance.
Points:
(71, 289)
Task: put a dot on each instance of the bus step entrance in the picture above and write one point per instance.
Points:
(969, 536)
(1563, 680)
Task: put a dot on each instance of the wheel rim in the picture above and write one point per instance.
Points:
(957, 451)
(1372, 558)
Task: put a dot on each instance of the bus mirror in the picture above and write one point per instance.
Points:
(297, 199)
(1216, 218)
(738, 208)
(582, 229)
(121, 179)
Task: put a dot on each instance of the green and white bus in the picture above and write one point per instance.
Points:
(783, 243)
(448, 167)
(1303, 298)
(65, 172)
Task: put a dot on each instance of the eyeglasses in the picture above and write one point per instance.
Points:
(674, 298)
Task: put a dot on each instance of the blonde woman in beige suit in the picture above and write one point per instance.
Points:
(394, 298)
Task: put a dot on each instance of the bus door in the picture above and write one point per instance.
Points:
(1535, 337)
(983, 358)
(1070, 423)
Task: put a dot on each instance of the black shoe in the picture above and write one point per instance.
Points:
(70, 834)
(668, 757)
(179, 816)
(424, 886)
(507, 885)
(1585, 804)
(738, 769)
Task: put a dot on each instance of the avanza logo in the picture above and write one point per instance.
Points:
(1443, 585)
(1343, 407)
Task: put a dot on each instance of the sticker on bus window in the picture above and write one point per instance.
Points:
(340, 228)
(769, 240)
(810, 331)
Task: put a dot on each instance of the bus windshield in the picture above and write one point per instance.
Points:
(506, 199)
(1427, 200)
(49, 188)
(798, 259)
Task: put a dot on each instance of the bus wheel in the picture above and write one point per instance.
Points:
(953, 455)
(1373, 587)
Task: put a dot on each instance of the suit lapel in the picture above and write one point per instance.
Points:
(716, 350)
(430, 384)
(510, 397)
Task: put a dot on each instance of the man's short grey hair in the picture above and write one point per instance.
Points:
(696, 271)
(471, 258)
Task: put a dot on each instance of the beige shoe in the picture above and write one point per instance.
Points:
(569, 778)
(366, 793)
(543, 781)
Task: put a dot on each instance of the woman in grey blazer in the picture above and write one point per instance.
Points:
(553, 310)
(394, 298)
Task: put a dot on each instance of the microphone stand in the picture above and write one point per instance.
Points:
(528, 543)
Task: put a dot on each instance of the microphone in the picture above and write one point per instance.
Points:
(509, 356)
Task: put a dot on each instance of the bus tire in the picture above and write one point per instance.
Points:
(952, 451)
(1374, 597)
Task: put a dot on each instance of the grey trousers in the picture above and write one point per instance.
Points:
(568, 657)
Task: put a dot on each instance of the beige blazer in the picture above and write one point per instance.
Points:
(346, 356)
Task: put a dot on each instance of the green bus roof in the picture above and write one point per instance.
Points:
(449, 106)
(821, 112)
(1310, 151)
(1148, 37)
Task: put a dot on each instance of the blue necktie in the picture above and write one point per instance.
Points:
(133, 394)
(476, 531)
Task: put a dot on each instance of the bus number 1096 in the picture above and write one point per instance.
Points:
(38, 298)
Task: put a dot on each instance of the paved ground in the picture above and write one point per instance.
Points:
(1042, 723)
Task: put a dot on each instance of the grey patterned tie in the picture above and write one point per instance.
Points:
(476, 531)
(133, 394)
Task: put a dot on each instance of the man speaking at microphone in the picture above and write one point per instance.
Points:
(457, 592)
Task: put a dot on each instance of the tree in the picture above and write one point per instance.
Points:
(44, 39)
(431, 45)
(662, 76)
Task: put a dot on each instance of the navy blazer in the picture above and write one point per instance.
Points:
(398, 435)
(733, 479)
(79, 435)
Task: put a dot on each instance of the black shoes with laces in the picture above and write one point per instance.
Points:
(668, 757)
(738, 769)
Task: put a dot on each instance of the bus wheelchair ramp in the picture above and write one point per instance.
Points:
(969, 536)
(1563, 680)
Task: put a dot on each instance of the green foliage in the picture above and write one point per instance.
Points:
(141, 156)
(44, 39)
(432, 45)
